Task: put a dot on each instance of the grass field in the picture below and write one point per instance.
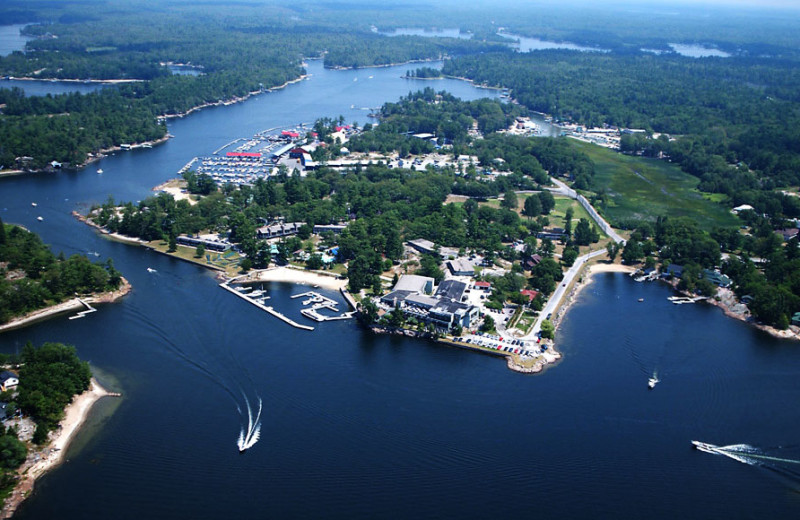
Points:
(642, 188)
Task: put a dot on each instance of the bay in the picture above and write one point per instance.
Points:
(356, 425)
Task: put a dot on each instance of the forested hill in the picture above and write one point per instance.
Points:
(32, 277)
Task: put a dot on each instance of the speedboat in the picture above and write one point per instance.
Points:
(151, 270)
(34, 204)
(652, 382)
(704, 446)
(39, 219)
(99, 170)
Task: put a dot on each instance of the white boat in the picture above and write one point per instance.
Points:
(34, 204)
(99, 171)
(704, 446)
(151, 270)
(652, 382)
(39, 219)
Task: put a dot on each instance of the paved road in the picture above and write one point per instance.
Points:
(565, 190)
(558, 294)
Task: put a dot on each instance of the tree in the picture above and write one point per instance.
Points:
(532, 207)
(173, 244)
(246, 265)
(314, 262)
(488, 324)
(613, 250)
(547, 201)
(199, 251)
(583, 233)
(548, 330)
(632, 252)
(2, 232)
(510, 200)
(569, 256)
(570, 213)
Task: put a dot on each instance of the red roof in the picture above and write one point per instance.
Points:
(243, 154)
(529, 293)
(289, 133)
(483, 284)
(340, 128)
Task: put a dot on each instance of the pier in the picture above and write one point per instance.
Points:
(317, 302)
(259, 303)
(81, 314)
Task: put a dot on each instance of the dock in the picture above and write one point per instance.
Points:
(81, 314)
(317, 302)
(259, 303)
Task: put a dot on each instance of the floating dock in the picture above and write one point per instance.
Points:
(317, 302)
(89, 310)
(259, 303)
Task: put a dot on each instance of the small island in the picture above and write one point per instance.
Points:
(45, 396)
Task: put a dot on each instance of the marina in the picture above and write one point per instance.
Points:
(243, 292)
(319, 302)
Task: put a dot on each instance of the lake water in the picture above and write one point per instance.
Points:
(427, 33)
(698, 51)
(11, 40)
(42, 88)
(356, 425)
(535, 44)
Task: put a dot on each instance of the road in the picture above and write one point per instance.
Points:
(558, 294)
(565, 190)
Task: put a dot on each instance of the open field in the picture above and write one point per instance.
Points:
(643, 188)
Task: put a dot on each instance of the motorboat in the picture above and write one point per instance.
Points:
(704, 446)
(652, 382)
(39, 219)
(151, 270)
(99, 171)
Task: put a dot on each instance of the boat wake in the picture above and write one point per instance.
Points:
(754, 456)
(249, 436)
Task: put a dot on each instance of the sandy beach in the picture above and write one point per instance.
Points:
(291, 275)
(176, 188)
(43, 460)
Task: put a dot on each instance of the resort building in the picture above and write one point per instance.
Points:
(279, 229)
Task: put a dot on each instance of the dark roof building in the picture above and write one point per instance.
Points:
(451, 290)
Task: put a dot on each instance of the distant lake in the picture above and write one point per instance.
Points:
(427, 33)
(698, 51)
(42, 87)
(536, 44)
(184, 70)
(11, 40)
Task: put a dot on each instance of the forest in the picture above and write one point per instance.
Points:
(32, 277)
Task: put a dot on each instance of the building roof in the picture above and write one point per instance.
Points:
(451, 290)
(483, 284)
(413, 283)
(420, 300)
(6, 375)
(461, 265)
(397, 296)
(529, 293)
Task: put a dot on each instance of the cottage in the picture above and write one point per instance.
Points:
(552, 234)
(8, 380)
(530, 294)
(483, 286)
(279, 229)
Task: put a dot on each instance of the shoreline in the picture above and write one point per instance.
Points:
(50, 456)
(385, 65)
(73, 80)
(67, 306)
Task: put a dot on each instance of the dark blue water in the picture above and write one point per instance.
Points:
(363, 426)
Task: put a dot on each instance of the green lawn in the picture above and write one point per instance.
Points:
(642, 188)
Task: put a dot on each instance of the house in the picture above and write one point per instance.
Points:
(279, 229)
(8, 380)
(716, 278)
(335, 228)
(483, 286)
(674, 270)
(743, 207)
(428, 247)
(796, 319)
(552, 234)
(531, 294)
(461, 267)
(210, 242)
(530, 262)
(787, 233)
